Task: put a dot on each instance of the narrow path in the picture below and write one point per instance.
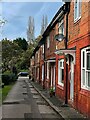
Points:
(24, 102)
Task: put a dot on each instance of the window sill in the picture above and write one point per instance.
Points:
(77, 20)
(47, 79)
(85, 92)
(60, 87)
(84, 88)
(61, 84)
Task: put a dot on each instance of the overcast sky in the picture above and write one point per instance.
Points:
(17, 14)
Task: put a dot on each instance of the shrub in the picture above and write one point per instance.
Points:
(5, 79)
(8, 78)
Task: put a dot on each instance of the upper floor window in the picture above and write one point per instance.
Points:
(85, 68)
(37, 58)
(48, 42)
(43, 49)
(61, 72)
(77, 10)
(61, 27)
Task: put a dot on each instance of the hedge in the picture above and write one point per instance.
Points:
(8, 78)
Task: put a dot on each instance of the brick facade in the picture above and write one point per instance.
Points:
(78, 38)
(49, 54)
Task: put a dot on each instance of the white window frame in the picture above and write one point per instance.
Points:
(77, 10)
(84, 85)
(38, 56)
(42, 72)
(59, 72)
(61, 27)
(38, 73)
(43, 49)
(47, 70)
(48, 41)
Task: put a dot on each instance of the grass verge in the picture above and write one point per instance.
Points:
(6, 90)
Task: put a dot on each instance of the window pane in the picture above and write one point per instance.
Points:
(88, 61)
(88, 79)
(83, 76)
(47, 70)
(75, 9)
(80, 8)
(61, 27)
(83, 59)
(48, 42)
(62, 75)
(63, 64)
(60, 64)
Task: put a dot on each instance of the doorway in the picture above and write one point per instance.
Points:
(53, 74)
(71, 80)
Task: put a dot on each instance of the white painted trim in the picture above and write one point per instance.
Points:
(84, 68)
(42, 72)
(47, 70)
(72, 81)
(48, 41)
(78, 15)
(59, 72)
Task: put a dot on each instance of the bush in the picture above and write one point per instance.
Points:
(8, 78)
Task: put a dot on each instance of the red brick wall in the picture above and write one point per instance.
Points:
(79, 36)
(49, 53)
(81, 27)
(41, 62)
(59, 89)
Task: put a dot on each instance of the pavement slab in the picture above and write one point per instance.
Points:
(68, 113)
(15, 110)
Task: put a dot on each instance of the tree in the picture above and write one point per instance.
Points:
(30, 30)
(22, 43)
(29, 51)
(15, 56)
(46, 21)
(44, 24)
(11, 52)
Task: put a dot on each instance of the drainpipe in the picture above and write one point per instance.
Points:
(66, 40)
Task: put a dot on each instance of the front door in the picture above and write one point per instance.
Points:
(72, 81)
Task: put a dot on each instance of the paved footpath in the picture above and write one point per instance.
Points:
(67, 112)
(25, 103)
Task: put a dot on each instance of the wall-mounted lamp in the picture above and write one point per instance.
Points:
(59, 37)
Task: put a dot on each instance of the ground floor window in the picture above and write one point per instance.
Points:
(61, 72)
(85, 68)
(37, 73)
(42, 72)
(47, 70)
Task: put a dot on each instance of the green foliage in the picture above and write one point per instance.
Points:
(16, 54)
(5, 91)
(51, 89)
(11, 52)
(8, 78)
(22, 43)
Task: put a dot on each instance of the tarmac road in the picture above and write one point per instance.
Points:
(24, 102)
